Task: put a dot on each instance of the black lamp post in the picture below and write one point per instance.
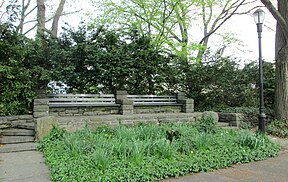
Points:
(259, 16)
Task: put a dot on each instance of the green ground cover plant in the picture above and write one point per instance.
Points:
(278, 128)
(149, 152)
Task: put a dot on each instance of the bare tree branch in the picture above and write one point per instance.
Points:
(276, 14)
(2, 4)
(225, 17)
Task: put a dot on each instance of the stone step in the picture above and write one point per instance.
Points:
(29, 126)
(16, 139)
(19, 147)
(17, 132)
(222, 124)
(226, 125)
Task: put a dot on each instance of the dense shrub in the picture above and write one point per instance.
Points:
(278, 128)
(23, 70)
(16, 81)
(100, 60)
(147, 152)
(220, 82)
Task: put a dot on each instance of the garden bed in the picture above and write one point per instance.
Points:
(149, 152)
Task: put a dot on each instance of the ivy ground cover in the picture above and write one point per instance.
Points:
(149, 152)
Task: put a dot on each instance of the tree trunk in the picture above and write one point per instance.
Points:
(56, 18)
(40, 18)
(281, 57)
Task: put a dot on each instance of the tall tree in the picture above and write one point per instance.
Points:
(25, 11)
(9, 11)
(281, 56)
(172, 22)
(57, 15)
(41, 9)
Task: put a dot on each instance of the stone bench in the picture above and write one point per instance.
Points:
(81, 100)
(107, 104)
(142, 100)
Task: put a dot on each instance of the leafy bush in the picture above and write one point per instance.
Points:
(219, 82)
(102, 60)
(144, 153)
(16, 81)
(278, 128)
(207, 125)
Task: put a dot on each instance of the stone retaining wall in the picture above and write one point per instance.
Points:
(71, 124)
(24, 121)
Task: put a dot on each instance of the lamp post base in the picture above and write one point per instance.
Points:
(262, 118)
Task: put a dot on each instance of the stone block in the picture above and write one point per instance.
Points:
(125, 101)
(3, 126)
(65, 114)
(12, 118)
(188, 110)
(210, 114)
(237, 119)
(18, 132)
(56, 109)
(180, 96)
(29, 126)
(121, 92)
(40, 102)
(72, 111)
(53, 114)
(41, 108)
(187, 101)
(234, 119)
(121, 95)
(3, 120)
(16, 139)
(126, 112)
(26, 117)
(89, 113)
(127, 107)
(44, 126)
(40, 114)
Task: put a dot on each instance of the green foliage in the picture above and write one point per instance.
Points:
(220, 83)
(278, 128)
(207, 125)
(16, 82)
(101, 60)
(23, 70)
(144, 153)
(56, 134)
(97, 60)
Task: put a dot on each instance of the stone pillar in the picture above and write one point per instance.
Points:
(126, 105)
(40, 108)
(234, 119)
(187, 104)
(41, 93)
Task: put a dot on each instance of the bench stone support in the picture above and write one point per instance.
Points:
(40, 108)
(187, 104)
(126, 105)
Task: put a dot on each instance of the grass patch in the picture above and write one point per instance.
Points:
(149, 152)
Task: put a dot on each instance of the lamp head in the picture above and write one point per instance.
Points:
(259, 16)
